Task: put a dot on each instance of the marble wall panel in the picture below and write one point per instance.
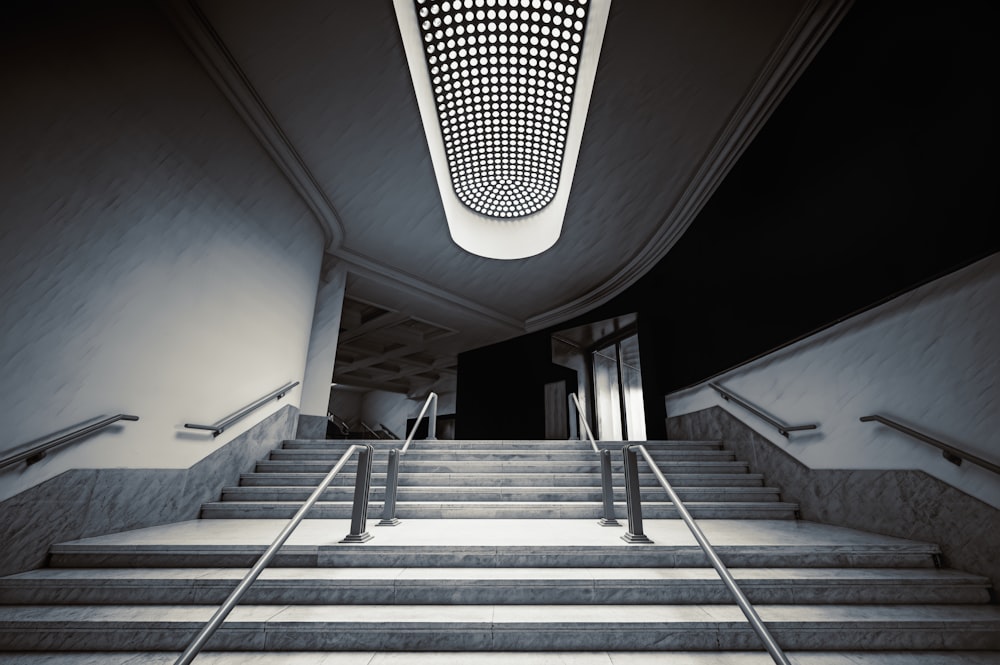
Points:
(88, 502)
(903, 503)
(311, 427)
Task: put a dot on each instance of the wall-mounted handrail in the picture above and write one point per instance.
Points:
(38, 451)
(358, 534)
(950, 453)
(369, 430)
(388, 432)
(635, 535)
(392, 469)
(782, 428)
(220, 427)
(607, 486)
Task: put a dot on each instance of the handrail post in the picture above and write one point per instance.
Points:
(391, 483)
(362, 485)
(432, 419)
(633, 498)
(607, 491)
(575, 431)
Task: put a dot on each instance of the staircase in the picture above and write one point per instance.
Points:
(499, 550)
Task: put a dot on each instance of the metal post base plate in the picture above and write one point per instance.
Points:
(606, 522)
(392, 522)
(357, 538)
(630, 537)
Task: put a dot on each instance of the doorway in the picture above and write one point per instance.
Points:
(617, 380)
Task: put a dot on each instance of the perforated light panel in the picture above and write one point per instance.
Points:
(503, 73)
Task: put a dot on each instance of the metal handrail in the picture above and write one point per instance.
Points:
(431, 423)
(634, 500)
(582, 420)
(392, 468)
(607, 485)
(221, 426)
(374, 434)
(950, 453)
(38, 451)
(339, 423)
(357, 534)
(782, 428)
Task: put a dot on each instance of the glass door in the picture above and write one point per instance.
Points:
(618, 391)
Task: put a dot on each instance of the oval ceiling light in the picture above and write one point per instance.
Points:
(503, 88)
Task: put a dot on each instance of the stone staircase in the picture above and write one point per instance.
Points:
(499, 550)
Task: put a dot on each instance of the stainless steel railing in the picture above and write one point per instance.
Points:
(358, 534)
(392, 469)
(782, 428)
(635, 535)
(607, 485)
(950, 453)
(36, 452)
(220, 427)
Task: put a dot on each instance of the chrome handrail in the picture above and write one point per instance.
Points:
(357, 534)
(607, 485)
(950, 453)
(221, 426)
(392, 467)
(339, 423)
(38, 451)
(782, 428)
(635, 534)
(431, 423)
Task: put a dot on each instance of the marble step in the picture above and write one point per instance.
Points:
(451, 493)
(472, 586)
(408, 479)
(586, 456)
(714, 657)
(498, 467)
(499, 627)
(493, 543)
(499, 509)
(544, 444)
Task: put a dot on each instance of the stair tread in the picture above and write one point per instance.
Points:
(986, 616)
(458, 575)
(515, 658)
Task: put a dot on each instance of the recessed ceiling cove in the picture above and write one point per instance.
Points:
(503, 88)
(503, 75)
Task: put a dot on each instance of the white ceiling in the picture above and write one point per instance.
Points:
(682, 87)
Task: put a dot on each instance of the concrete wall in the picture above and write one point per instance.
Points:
(929, 358)
(153, 260)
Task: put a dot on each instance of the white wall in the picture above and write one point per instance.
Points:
(154, 260)
(929, 358)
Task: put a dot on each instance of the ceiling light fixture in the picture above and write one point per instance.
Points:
(503, 88)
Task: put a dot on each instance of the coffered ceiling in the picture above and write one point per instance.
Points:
(682, 87)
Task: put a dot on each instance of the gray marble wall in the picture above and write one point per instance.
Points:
(90, 502)
(903, 503)
(311, 427)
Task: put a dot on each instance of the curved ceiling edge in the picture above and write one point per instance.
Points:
(808, 32)
(208, 48)
(374, 270)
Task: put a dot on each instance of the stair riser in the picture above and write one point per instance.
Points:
(596, 636)
(443, 592)
(369, 555)
(497, 510)
(507, 480)
(496, 494)
(288, 466)
(446, 444)
(587, 457)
